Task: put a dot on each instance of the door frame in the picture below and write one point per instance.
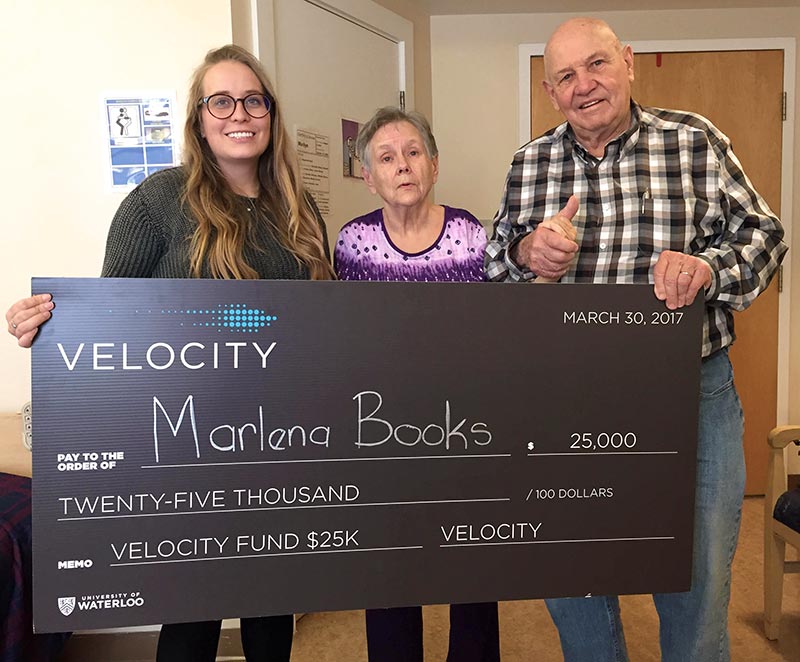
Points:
(254, 28)
(788, 46)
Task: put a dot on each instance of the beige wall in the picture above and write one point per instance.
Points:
(475, 102)
(422, 50)
(58, 59)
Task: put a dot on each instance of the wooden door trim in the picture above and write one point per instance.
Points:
(788, 46)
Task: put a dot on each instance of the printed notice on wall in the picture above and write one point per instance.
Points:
(140, 131)
(313, 151)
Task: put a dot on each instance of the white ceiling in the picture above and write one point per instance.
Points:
(443, 7)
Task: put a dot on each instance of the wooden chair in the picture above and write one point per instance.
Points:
(777, 534)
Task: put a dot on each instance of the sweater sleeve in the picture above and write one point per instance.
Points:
(133, 247)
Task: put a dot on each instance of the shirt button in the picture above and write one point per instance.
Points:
(607, 208)
(602, 246)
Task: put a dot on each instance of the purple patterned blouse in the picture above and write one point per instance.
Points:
(364, 251)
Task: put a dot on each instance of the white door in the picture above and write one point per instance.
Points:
(331, 66)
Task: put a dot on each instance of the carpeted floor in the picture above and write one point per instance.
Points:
(528, 635)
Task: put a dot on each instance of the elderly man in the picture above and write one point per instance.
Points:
(658, 197)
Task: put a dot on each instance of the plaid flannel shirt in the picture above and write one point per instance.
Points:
(670, 182)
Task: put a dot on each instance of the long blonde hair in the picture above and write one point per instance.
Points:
(220, 238)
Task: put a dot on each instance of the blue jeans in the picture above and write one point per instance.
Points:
(694, 625)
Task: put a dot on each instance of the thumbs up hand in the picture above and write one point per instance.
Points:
(548, 250)
(562, 221)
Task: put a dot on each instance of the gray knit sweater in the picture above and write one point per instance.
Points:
(150, 234)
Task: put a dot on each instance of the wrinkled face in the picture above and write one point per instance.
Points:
(401, 172)
(239, 139)
(589, 80)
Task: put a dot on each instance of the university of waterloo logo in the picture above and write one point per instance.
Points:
(66, 605)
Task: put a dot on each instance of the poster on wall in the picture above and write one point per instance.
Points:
(351, 166)
(141, 136)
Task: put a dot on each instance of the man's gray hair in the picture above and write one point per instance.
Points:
(392, 115)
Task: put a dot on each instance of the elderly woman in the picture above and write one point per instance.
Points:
(411, 239)
(236, 208)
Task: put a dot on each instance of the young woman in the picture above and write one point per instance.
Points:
(234, 209)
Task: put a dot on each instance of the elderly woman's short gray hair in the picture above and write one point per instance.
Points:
(391, 115)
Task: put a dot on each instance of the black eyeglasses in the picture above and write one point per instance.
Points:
(222, 106)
